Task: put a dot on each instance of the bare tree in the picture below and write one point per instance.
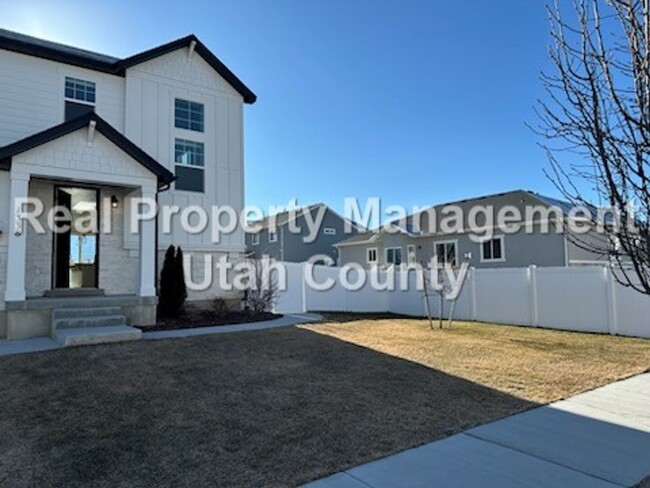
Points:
(598, 109)
(262, 290)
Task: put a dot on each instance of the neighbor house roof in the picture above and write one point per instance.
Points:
(7, 152)
(369, 237)
(282, 218)
(32, 46)
(373, 236)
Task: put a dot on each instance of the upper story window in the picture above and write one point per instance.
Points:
(189, 157)
(371, 255)
(492, 249)
(189, 115)
(329, 231)
(255, 239)
(410, 254)
(80, 90)
(394, 255)
(273, 236)
(80, 97)
(446, 252)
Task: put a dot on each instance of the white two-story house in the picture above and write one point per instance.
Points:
(79, 129)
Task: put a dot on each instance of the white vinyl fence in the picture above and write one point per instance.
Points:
(586, 299)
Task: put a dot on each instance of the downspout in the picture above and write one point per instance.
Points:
(162, 188)
(282, 243)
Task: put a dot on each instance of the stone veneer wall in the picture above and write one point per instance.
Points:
(118, 267)
(38, 276)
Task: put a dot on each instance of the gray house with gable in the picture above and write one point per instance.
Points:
(415, 242)
(287, 236)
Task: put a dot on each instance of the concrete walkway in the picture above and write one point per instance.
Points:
(597, 439)
(8, 348)
(284, 321)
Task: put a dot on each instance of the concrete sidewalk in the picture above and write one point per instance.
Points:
(8, 348)
(284, 321)
(597, 439)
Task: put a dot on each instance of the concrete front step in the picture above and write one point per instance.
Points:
(96, 335)
(66, 313)
(88, 321)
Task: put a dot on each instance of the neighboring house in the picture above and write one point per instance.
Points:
(78, 128)
(396, 245)
(277, 240)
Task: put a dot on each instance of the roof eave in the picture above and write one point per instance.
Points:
(163, 175)
(202, 50)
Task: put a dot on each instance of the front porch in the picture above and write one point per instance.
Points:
(112, 266)
(49, 269)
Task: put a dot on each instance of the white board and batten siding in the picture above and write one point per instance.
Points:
(32, 95)
(151, 90)
(32, 99)
(582, 299)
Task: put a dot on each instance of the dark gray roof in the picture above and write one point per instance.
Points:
(32, 46)
(358, 238)
(554, 202)
(18, 40)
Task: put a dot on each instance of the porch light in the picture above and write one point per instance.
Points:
(114, 201)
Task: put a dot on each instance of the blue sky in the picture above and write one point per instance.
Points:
(415, 102)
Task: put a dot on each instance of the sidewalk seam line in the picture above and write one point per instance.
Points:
(473, 436)
(357, 479)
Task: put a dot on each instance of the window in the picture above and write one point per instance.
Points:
(273, 236)
(80, 90)
(492, 249)
(446, 252)
(188, 115)
(189, 158)
(394, 255)
(329, 231)
(410, 253)
(371, 255)
(79, 98)
(255, 239)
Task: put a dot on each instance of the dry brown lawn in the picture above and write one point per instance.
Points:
(278, 407)
(539, 365)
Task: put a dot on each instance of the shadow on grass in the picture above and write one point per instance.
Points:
(345, 317)
(273, 408)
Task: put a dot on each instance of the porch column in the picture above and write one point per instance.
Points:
(148, 250)
(17, 239)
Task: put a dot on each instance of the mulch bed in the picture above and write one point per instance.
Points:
(192, 318)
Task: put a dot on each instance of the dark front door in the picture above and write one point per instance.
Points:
(76, 244)
(62, 243)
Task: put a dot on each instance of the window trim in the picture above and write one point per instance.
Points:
(275, 236)
(445, 241)
(368, 249)
(191, 166)
(189, 129)
(400, 255)
(329, 231)
(409, 254)
(255, 239)
(503, 250)
(187, 165)
(76, 100)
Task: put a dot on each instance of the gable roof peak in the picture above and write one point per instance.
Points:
(53, 51)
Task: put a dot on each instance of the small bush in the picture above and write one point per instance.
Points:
(172, 291)
(262, 290)
(220, 307)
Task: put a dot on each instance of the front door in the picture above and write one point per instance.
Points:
(76, 243)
